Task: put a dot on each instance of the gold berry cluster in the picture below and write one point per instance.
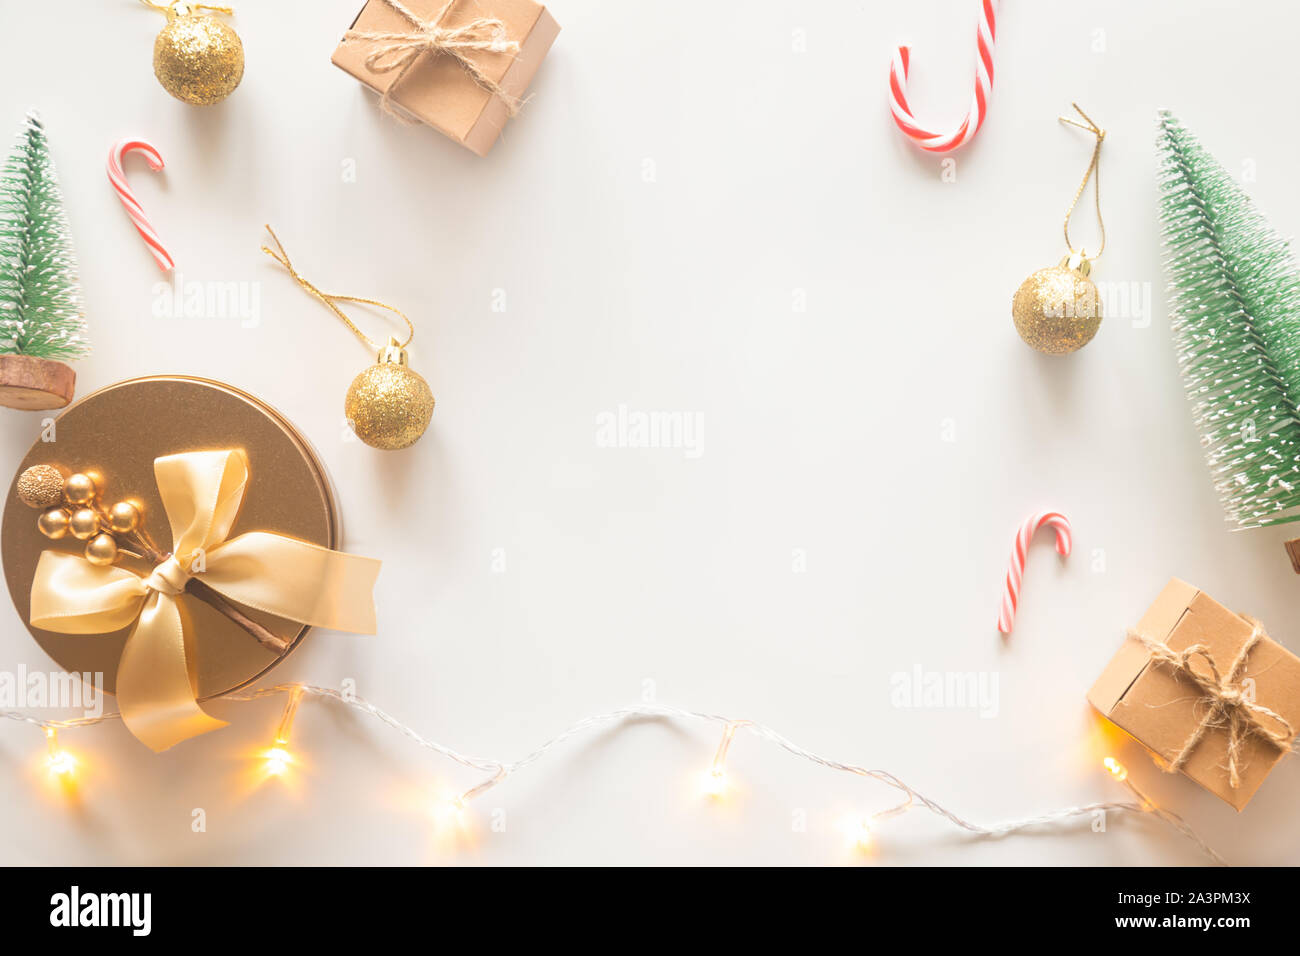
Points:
(70, 504)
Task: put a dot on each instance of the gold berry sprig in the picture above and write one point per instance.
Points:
(72, 506)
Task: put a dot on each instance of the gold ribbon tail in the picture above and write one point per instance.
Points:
(296, 580)
(154, 691)
(72, 596)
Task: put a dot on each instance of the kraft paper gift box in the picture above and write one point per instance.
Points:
(452, 72)
(1192, 676)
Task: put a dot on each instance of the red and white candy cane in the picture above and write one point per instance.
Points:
(964, 133)
(117, 177)
(1016, 570)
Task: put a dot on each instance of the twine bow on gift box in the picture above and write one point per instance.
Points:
(201, 493)
(1228, 702)
(401, 50)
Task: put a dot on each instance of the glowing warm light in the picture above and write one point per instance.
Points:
(715, 782)
(278, 760)
(449, 811)
(450, 826)
(1115, 768)
(858, 831)
(59, 761)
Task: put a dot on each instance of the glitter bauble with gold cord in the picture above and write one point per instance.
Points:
(1057, 310)
(388, 405)
(197, 58)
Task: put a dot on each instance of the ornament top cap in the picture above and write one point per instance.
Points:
(392, 353)
(1079, 262)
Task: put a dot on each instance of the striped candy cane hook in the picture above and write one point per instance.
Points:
(117, 177)
(965, 132)
(1016, 569)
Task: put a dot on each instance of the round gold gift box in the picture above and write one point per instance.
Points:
(115, 434)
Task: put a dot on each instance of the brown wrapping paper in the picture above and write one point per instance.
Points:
(438, 89)
(1161, 709)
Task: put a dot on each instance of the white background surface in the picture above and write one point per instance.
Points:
(775, 171)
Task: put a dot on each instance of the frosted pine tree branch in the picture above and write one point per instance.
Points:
(41, 311)
(1235, 311)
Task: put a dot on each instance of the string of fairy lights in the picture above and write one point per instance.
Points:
(278, 758)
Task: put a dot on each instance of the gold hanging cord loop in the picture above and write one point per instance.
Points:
(1094, 169)
(166, 7)
(330, 299)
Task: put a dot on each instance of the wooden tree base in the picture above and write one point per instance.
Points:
(32, 384)
(1293, 552)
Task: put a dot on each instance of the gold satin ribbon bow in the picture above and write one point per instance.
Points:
(401, 50)
(201, 493)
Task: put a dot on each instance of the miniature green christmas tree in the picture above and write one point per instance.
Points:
(41, 317)
(1235, 311)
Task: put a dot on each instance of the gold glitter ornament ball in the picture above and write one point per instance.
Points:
(1057, 310)
(389, 406)
(197, 58)
(40, 486)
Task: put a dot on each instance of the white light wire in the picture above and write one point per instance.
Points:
(498, 770)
